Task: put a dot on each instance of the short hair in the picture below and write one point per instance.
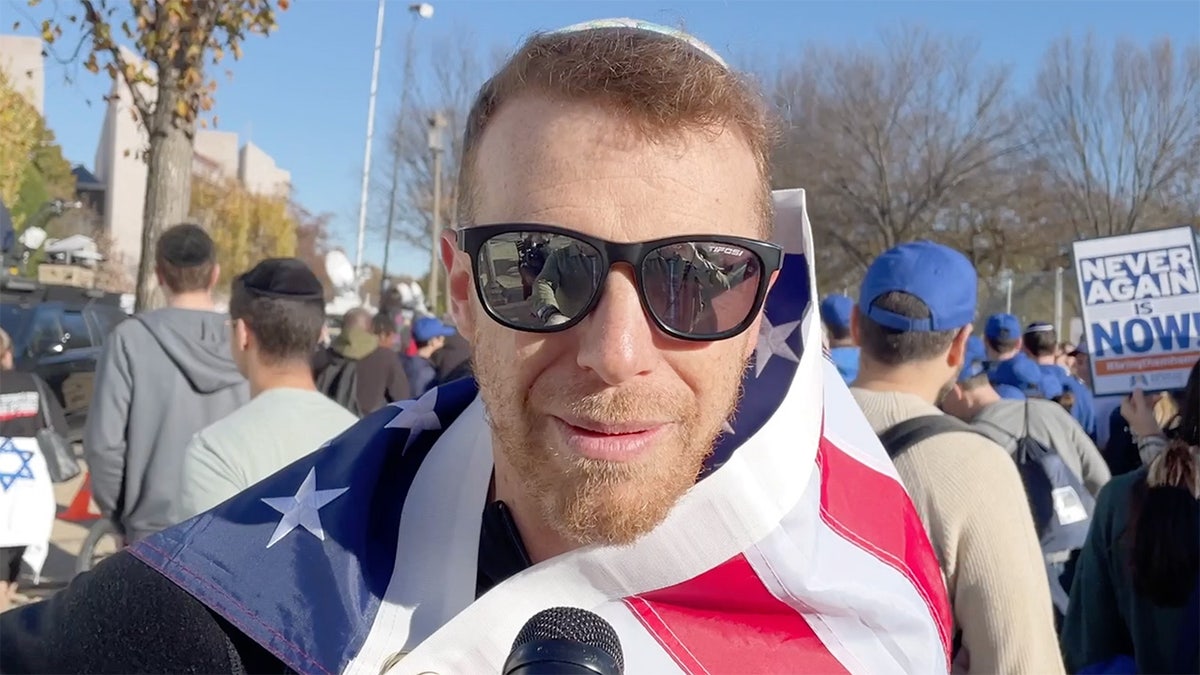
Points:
(661, 84)
(1001, 345)
(894, 347)
(287, 329)
(185, 257)
(974, 382)
(357, 318)
(383, 324)
(1040, 343)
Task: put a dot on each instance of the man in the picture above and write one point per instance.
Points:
(277, 310)
(26, 493)
(1002, 338)
(835, 314)
(357, 371)
(912, 322)
(599, 466)
(430, 335)
(1040, 342)
(974, 400)
(453, 360)
(162, 377)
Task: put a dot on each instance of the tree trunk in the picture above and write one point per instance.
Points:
(168, 183)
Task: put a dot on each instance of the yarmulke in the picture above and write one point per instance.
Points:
(638, 24)
(286, 278)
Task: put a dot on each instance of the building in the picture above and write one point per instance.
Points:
(121, 170)
(22, 62)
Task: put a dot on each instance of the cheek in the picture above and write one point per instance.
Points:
(714, 372)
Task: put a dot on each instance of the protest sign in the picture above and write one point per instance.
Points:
(1140, 295)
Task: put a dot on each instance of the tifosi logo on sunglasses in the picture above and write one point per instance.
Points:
(726, 250)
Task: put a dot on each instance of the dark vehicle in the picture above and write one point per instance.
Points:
(58, 332)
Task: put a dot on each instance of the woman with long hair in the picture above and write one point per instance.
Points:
(1135, 599)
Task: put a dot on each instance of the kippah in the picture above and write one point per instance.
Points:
(190, 246)
(1039, 328)
(638, 24)
(286, 278)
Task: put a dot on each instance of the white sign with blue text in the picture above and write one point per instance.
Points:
(1141, 309)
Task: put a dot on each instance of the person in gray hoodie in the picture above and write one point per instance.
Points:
(164, 376)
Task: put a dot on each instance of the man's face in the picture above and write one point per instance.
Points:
(605, 425)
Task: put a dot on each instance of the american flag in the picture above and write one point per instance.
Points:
(798, 550)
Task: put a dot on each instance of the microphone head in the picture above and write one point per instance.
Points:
(572, 624)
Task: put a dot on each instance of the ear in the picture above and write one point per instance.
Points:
(854, 324)
(460, 275)
(215, 276)
(242, 334)
(958, 348)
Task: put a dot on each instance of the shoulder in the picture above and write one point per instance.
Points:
(965, 466)
(121, 617)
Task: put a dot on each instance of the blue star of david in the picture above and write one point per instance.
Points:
(7, 478)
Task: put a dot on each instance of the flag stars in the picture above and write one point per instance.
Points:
(417, 416)
(302, 509)
(773, 341)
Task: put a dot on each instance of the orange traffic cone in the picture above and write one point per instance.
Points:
(80, 509)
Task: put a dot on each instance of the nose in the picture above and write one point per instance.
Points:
(617, 338)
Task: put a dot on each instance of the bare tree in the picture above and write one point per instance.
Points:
(1118, 132)
(891, 141)
(457, 70)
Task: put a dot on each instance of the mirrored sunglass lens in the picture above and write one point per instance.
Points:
(701, 288)
(537, 279)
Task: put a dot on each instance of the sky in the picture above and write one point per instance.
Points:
(301, 94)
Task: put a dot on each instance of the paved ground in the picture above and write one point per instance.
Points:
(65, 541)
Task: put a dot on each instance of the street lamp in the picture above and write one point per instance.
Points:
(437, 125)
(422, 10)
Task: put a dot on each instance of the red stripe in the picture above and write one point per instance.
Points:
(872, 511)
(726, 621)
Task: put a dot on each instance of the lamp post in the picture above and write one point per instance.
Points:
(423, 10)
(418, 11)
(437, 124)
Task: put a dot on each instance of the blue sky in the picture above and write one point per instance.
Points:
(301, 94)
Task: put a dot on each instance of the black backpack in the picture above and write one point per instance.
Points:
(339, 381)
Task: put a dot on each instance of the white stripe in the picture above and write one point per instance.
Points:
(436, 557)
(867, 614)
(848, 428)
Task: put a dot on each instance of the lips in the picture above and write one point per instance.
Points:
(612, 442)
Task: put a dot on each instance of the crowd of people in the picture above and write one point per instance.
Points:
(954, 411)
(989, 528)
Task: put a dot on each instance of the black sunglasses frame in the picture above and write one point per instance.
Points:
(770, 258)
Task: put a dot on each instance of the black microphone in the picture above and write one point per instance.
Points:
(566, 641)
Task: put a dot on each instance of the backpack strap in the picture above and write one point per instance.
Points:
(899, 438)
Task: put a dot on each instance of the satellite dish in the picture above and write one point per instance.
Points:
(32, 238)
(340, 271)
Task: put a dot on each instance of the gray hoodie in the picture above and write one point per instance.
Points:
(164, 376)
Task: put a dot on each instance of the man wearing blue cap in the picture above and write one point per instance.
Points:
(912, 322)
(430, 335)
(1040, 342)
(835, 314)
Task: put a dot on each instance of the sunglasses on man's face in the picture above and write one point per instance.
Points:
(542, 278)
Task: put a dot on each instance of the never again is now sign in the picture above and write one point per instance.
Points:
(1141, 308)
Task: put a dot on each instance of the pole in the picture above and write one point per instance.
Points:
(417, 15)
(1058, 302)
(435, 228)
(366, 172)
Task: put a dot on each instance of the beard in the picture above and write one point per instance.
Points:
(588, 501)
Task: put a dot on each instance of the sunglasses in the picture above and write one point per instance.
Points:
(544, 279)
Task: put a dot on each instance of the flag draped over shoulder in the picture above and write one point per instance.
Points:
(798, 550)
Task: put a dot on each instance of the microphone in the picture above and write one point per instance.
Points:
(566, 641)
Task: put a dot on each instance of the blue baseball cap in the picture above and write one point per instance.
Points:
(1002, 327)
(835, 311)
(1010, 392)
(427, 328)
(975, 350)
(1023, 373)
(937, 275)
